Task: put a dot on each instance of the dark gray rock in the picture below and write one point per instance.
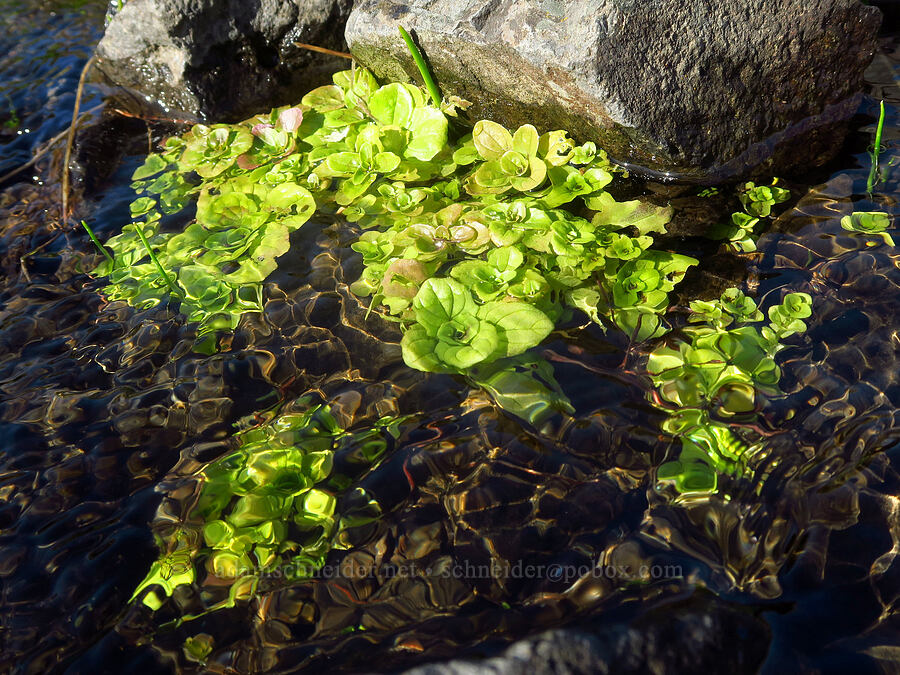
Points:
(695, 87)
(222, 59)
(700, 635)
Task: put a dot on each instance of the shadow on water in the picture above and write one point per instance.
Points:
(491, 530)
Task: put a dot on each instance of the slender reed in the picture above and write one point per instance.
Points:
(876, 151)
(423, 68)
(159, 267)
(112, 263)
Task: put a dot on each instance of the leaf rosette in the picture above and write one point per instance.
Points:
(452, 333)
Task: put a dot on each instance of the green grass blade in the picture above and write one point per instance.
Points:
(112, 263)
(876, 150)
(159, 267)
(423, 68)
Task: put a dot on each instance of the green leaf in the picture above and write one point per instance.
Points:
(466, 153)
(869, 222)
(506, 258)
(523, 387)
(537, 173)
(386, 162)
(319, 504)
(343, 163)
(522, 325)
(491, 139)
(642, 216)
(151, 166)
(587, 300)
(254, 509)
(418, 350)
(323, 99)
(429, 133)
(663, 360)
(291, 198)
(218, 534)
(525, 141)
(480, 343)
(198, 648)
(141, 206)
(392, 104)
(439, 301)
(556, 148)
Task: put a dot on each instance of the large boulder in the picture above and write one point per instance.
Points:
(708, 90)
(222, 59)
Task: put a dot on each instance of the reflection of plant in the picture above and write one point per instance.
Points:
(13, 121)
(198, 648)
(265, 506)
(869, 222)
(757, 201)
(523, 386)
(718, 374)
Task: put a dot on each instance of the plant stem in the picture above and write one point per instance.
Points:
(423, 68)
(159, 267)
(876, 150)
(112, 263)
(878, 131)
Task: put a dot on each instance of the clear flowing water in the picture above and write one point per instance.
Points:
(488, 524)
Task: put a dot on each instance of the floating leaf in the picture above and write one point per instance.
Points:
(392, 104)
(491, 139)
(324, 99)
(869, 222)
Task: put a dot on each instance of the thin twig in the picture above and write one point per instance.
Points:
(48, 145)
(152, 118)
(49, 241)
(24, 269)
(71, 140)
(322, 50)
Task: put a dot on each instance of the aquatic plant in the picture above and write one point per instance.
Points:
(430, 84)
(97, 243)
(464, 239)
(523, 386)
(869, 222)
(876, 151)
(757, 201)
(268, 507)
(712, 380)
(215, 266)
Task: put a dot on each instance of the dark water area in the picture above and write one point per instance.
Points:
(107, 416)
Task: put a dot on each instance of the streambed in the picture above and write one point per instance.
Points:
(108, 415)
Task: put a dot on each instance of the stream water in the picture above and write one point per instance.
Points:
(488, 525)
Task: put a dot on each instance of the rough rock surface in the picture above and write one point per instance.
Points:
(692, 86)
(222, 59)
(702, 635)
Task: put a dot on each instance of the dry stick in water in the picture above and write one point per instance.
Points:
(322, 50)
(71, 140)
